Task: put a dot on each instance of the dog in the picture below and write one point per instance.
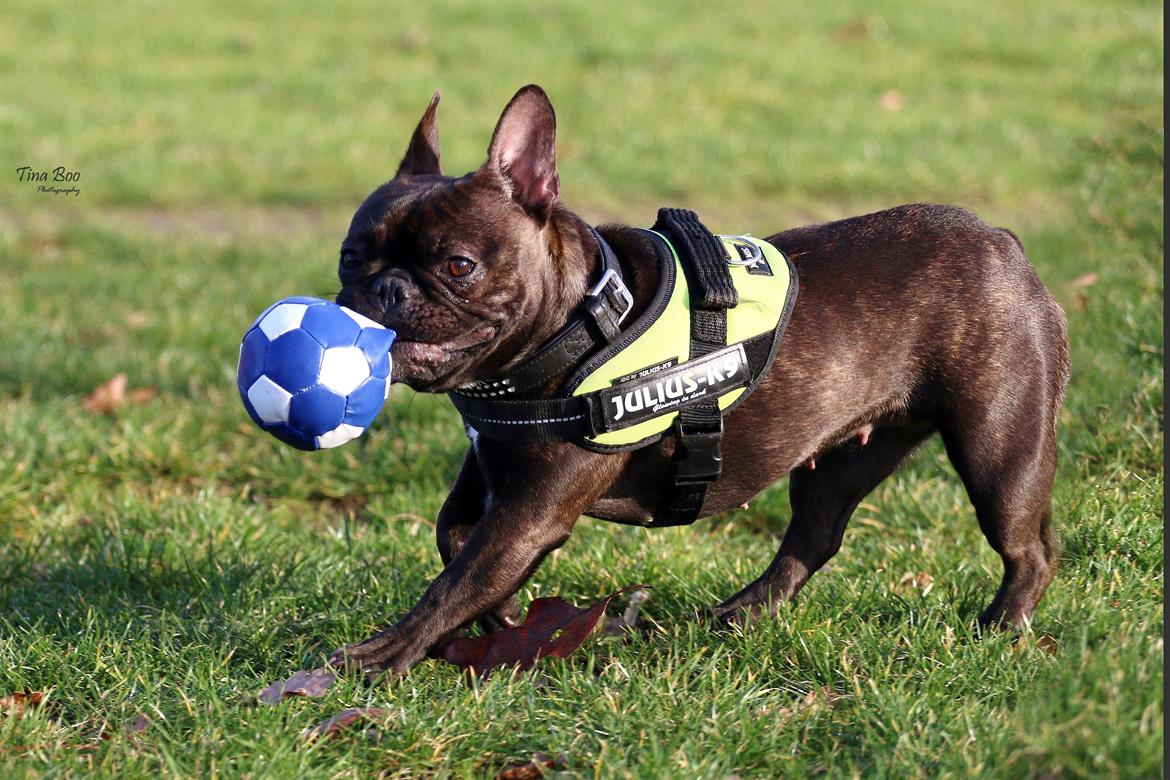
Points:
(910, 322)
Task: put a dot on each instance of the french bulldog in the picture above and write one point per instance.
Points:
(910, 322)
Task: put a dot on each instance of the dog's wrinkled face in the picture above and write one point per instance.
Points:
(465, 270)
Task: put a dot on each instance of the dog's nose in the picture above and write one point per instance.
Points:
(389, 291)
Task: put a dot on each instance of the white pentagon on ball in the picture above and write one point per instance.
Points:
(270, 400)
(283, 318)
(338, 436)
(343, 369)
(361, 319)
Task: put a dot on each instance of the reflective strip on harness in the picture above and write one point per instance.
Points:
(527, 421)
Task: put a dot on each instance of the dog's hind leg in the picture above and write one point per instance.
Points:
(1006, 457)
(823, 499)
(998, 420)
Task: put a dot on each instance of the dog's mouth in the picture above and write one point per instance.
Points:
(421, 363)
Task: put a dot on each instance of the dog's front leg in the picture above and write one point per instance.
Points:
(502, 551)
(464, 507)
(523, 522)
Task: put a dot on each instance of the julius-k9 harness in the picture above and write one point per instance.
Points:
(701, 347)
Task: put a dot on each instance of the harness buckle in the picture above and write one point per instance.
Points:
(701, 460)
(620, 290)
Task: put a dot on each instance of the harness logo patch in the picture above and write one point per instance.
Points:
(671, 388)
(749, 255)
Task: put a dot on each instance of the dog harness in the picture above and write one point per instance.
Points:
(709, 334)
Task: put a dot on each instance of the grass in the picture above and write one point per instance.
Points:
(170, 560)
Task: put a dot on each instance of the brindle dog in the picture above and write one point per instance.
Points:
(912, 321)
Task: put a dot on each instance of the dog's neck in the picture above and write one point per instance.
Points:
(577, 267)
(581, 270)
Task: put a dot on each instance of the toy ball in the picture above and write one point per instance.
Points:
(312, 373)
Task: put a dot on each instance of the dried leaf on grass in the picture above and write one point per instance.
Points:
(1043, 642)
(134, 727)
(891, 100)
(14, 705)
(344, 719)
(533, 769)
(304, 683)
(552, 626)
(1078, 286)
(817, 698)
(113, 395)
(919, 581)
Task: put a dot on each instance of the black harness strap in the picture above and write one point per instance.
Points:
(534, 420)
(699, 426)
(529, 421)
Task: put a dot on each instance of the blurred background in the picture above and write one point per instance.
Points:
(800, 106)
(220, 149)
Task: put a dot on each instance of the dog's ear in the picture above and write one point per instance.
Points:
(523, 151)
(422, 156)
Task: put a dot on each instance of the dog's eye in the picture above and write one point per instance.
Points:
(351, 261)
(459, 266)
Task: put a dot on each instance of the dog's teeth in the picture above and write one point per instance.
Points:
(744, 505)
(812, 464)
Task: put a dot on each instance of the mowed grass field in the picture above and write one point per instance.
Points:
(169, 559)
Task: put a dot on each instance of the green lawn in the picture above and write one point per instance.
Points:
(171, 560)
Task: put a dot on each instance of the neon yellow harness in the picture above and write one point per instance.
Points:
(763, 278)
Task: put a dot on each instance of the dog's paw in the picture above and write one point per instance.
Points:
(736, 614)
(384, 655)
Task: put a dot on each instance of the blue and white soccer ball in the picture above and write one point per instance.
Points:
(314, 374)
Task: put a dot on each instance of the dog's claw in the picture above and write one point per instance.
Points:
(736, 615)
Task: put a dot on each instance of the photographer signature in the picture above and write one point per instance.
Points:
(26, 173)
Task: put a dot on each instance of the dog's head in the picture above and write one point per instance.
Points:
(472, 272)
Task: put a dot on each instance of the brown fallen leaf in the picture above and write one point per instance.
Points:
(1044, 643)
(920, 581)
(891, 100)
(1047, 644)
(14, 705)
(113, 395)
(331, 726)
(858, 29)
(304, 683)
(1078, 287)
(141, 395)
(817, 698)
(136, 320)
(534, 769)
(552, 626)
(136, 726)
